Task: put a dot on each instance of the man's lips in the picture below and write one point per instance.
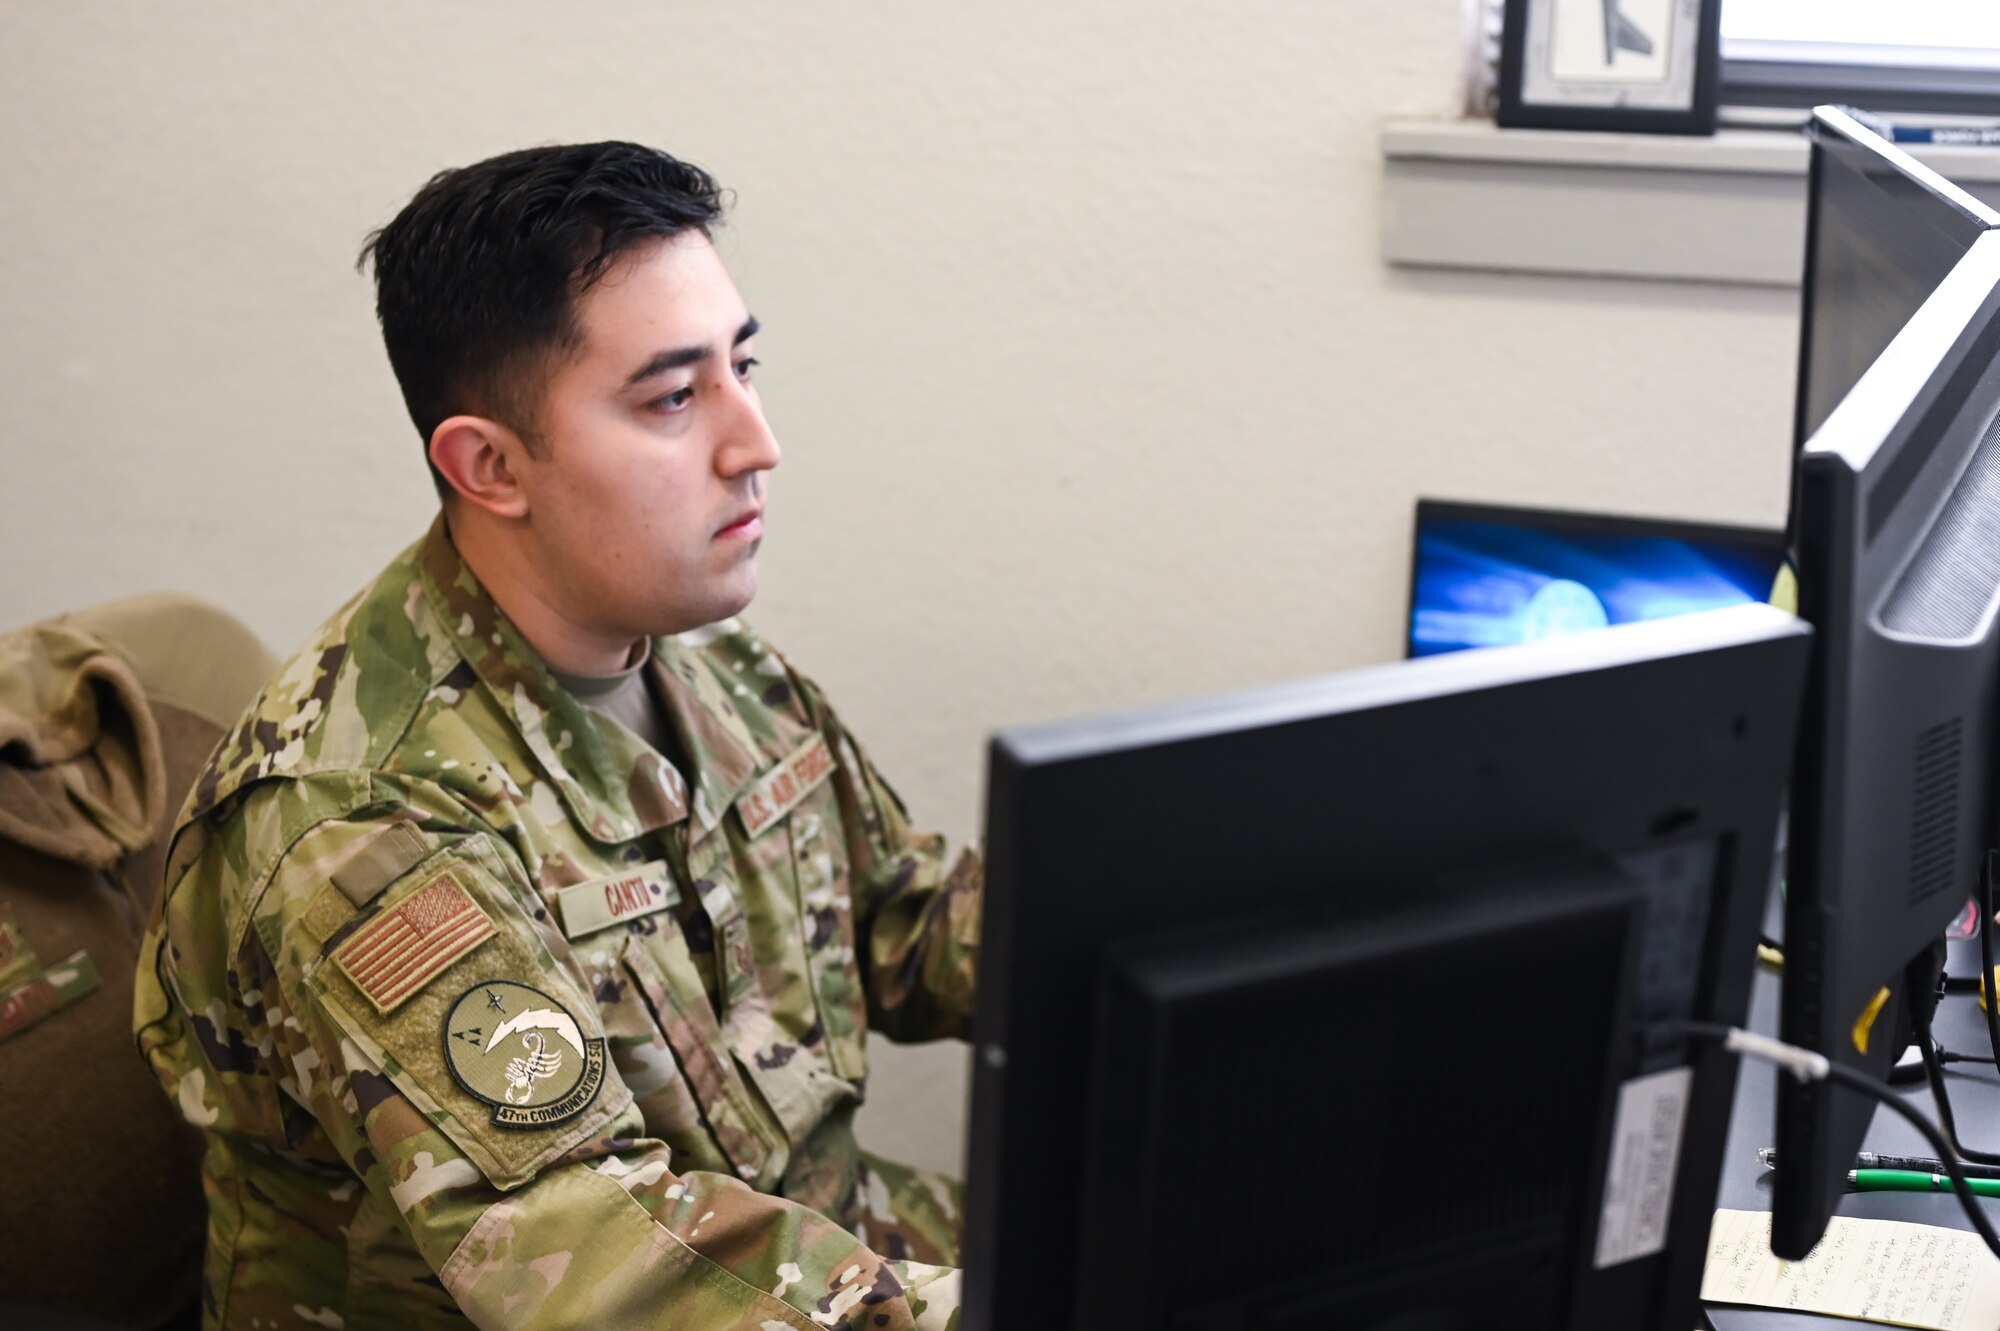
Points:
(749, 524)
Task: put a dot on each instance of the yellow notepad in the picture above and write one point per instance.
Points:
(1875, 1270)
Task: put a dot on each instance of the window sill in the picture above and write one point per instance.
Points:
(1728, 208)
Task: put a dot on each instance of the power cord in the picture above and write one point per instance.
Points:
(1941, 1097)
(1933, 1056)
(1909, 1074)
(1805, 1065)
(1991, 1000)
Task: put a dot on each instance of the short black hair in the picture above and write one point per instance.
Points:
(476, 279)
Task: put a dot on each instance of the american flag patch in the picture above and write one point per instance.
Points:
(393, 956)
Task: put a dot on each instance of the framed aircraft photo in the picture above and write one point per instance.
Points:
(1643, 65)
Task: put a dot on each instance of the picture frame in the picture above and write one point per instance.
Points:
(1645, 66)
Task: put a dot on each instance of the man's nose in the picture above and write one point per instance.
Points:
(749, 444)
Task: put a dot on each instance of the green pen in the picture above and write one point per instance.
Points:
(1908, 1180)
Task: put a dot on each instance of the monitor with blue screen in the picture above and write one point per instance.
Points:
(1484, 575)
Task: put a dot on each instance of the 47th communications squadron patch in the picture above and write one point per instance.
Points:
(522, 1052)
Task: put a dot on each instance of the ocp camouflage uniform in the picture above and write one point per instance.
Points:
(485, 1008)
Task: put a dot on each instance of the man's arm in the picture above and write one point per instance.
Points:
(605, 1233)
(916, 916)
(533, 1211)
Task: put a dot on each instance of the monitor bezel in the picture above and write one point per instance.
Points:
(1829, 121)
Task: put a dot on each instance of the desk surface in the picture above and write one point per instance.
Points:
(1975, 1102)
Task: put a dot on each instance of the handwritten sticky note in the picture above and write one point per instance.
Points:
(1875, 1270)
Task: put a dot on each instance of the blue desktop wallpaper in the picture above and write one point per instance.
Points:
(1482, 584)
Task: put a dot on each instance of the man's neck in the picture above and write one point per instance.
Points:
(512, 582)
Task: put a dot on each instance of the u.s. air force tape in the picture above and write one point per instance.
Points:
(780, 789)
(523, 1053)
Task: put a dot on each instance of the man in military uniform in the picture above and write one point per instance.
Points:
(518, 951)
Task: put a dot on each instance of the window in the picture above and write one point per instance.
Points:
(1916, 28)
(1926, 56)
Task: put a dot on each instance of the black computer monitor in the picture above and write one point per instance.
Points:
(1483, 575)
(1882, 230)
(1897, 525)
(1320, 1005)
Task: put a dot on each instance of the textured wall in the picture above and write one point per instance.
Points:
(1093, 387)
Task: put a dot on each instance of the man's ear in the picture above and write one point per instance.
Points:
(481, 459)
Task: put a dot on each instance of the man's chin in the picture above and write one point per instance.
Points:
(711, 612)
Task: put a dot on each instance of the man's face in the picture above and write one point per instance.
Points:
(654, 451)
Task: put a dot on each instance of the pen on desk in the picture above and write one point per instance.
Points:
(1906, 1180)
(1921, 1164)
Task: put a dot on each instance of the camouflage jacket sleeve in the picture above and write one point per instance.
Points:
(527, 1182)
(916, 913)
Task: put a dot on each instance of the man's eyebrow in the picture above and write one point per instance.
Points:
(680, 357)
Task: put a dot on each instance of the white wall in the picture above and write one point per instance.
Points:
(1093, 387)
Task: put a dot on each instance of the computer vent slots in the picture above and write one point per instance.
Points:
(1934, 810)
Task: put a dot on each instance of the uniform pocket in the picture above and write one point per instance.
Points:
(666, 981)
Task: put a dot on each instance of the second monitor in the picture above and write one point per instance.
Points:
(1484, 576)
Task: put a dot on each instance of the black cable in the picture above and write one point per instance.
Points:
(1826, 1069)
(1992, 1000)
(1867, 1085)
(1909, 1074)
(1933, 1065)
(1941, 1097)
